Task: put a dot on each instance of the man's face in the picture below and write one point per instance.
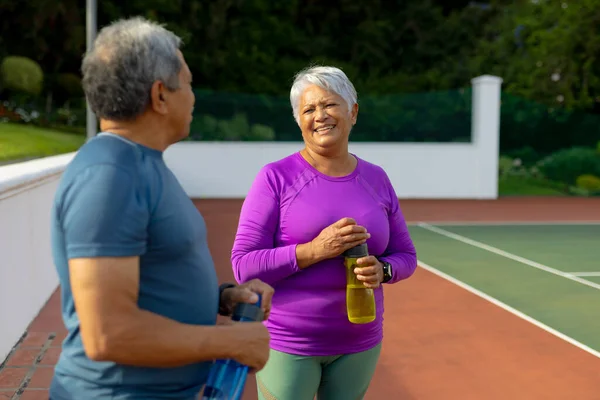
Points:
(180, 104)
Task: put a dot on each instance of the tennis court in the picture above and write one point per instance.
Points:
(505, 305)
(549, 271)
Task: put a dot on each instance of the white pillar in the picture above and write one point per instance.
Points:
(91, 27)
(485, 131)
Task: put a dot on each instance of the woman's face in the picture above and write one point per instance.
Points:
(325, 121)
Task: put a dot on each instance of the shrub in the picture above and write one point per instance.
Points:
(21, 74)
(505, 165)
(260, 132)
(526, 154)
(70, 85)
(236, 128)
(589, 183)
(508, 166)
(567, 165)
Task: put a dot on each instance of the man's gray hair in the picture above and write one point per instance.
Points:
(127, 58)
(329, 78)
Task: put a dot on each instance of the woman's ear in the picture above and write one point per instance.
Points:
(354, 113)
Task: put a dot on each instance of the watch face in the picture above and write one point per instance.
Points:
(387, 271)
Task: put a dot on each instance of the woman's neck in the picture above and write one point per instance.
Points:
(341, 164)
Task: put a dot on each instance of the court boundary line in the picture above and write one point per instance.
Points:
(510, 309)
(506, 223)
(585, 273)
(508, 255)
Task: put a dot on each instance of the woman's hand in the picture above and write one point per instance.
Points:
(339, 237)
(369, 271)
(331, 242)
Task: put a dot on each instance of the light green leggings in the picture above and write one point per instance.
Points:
(291, 377)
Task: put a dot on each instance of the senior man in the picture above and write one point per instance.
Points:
(140, 295)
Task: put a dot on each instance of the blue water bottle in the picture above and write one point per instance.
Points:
(227, 378)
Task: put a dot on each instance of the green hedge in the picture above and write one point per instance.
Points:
(569, 164)
(413, 117)
(527, 126)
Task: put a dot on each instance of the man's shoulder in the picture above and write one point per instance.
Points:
(105, 158)
(100, 151)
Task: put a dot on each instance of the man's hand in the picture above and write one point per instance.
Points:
(247, 293)
(369, 271)
(254, 352)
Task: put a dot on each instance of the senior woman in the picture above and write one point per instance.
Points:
(301, 213)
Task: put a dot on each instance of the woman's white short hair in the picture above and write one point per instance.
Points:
(331, 79)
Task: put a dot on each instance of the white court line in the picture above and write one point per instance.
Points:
(506, 254)
(510, 309)
(507, 223)
(591, 273)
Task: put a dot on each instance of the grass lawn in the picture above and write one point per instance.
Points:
(522, 186)
(19, 142)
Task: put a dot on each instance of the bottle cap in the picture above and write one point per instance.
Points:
(362, 250)
(248, 311)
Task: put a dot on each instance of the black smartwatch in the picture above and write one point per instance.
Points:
(387, 271)
(222, 310)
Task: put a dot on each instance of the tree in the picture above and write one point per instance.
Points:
(546, 50)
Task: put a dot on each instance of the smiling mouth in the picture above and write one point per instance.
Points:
(322, 130)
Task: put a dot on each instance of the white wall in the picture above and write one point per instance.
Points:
(27, 275)
(417, 170)
(226, 170)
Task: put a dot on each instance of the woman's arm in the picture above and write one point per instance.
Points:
(400, 252)
(254, 254)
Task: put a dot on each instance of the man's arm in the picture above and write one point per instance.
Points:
(104, 215)
(113, 328)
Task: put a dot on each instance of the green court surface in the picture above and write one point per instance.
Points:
(542, 270)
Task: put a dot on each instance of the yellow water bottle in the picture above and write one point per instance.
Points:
(360, 300)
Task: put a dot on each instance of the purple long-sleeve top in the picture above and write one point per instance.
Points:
(290, 203)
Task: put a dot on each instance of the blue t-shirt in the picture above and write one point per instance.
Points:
(118, 198)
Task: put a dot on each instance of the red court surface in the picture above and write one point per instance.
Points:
(441, 341)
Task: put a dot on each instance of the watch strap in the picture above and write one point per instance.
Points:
(223, 310)
(387, 271)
